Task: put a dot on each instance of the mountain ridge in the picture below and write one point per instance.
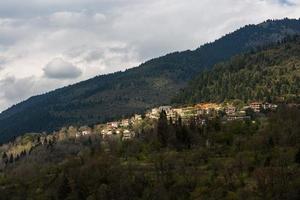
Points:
(271, 74)
(119, 94)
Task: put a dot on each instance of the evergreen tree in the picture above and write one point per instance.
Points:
(64, 188)
(17, 157)
(90, 142)
(11, 158)
(5, 158)
(162, 129)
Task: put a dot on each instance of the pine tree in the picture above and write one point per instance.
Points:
(11, 158)
(17, 157)
(162, 129)
(64, 189)
(90, 142)
(5, 158)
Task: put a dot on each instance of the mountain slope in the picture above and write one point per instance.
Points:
(272, 74)
(152, 83)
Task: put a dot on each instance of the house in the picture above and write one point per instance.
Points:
(86, 132)
(110, 132)
(125, 122)
(188, 112)
(127, 135)
(137, 117)
(82, 133)
(269, 106)
(230, 110)
(105, 132)
(201, 112)
(113, 124)
(256, 106)
(153, 113)
(165, 108)
(237, 117)
(178, 111)
(78, 134)
(207, 106)
(172, 114)
(241, 115)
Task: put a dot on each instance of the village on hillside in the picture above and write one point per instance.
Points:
(199, 112)
(126, 129)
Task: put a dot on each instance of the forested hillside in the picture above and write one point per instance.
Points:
(169, 161)
(153, 83)
(271, 75)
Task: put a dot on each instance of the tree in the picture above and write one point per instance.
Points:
(17, 157)
(297, 157)
(90, 142)
(162, 129)
(11, 158)
(5, 158)
(64, 188)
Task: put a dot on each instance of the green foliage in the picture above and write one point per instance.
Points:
(271, 75)
(162, 129)
(153, 83)
(238, 162)
(64, 188)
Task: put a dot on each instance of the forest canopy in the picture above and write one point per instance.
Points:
(272, 75)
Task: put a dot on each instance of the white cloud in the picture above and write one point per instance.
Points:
(61, 69)
(15, 89)
(103, 36)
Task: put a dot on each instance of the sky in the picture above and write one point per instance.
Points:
(47, 44)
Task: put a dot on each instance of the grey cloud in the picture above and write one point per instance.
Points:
(14, 89)
(287, 2)
(32, 8)
(93, 55)
(108, 58)
(61, 69)
(76, 19)
(87, 53)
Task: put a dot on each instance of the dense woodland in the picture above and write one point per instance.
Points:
(271, 75)
(153, 83)
(168, 160)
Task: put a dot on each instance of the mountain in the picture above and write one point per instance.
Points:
(272, 75)
(154, 82)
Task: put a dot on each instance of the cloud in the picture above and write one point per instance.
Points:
(15, 89)
(76, 19)
(61, 69)
(287, 2)
(92, 37)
